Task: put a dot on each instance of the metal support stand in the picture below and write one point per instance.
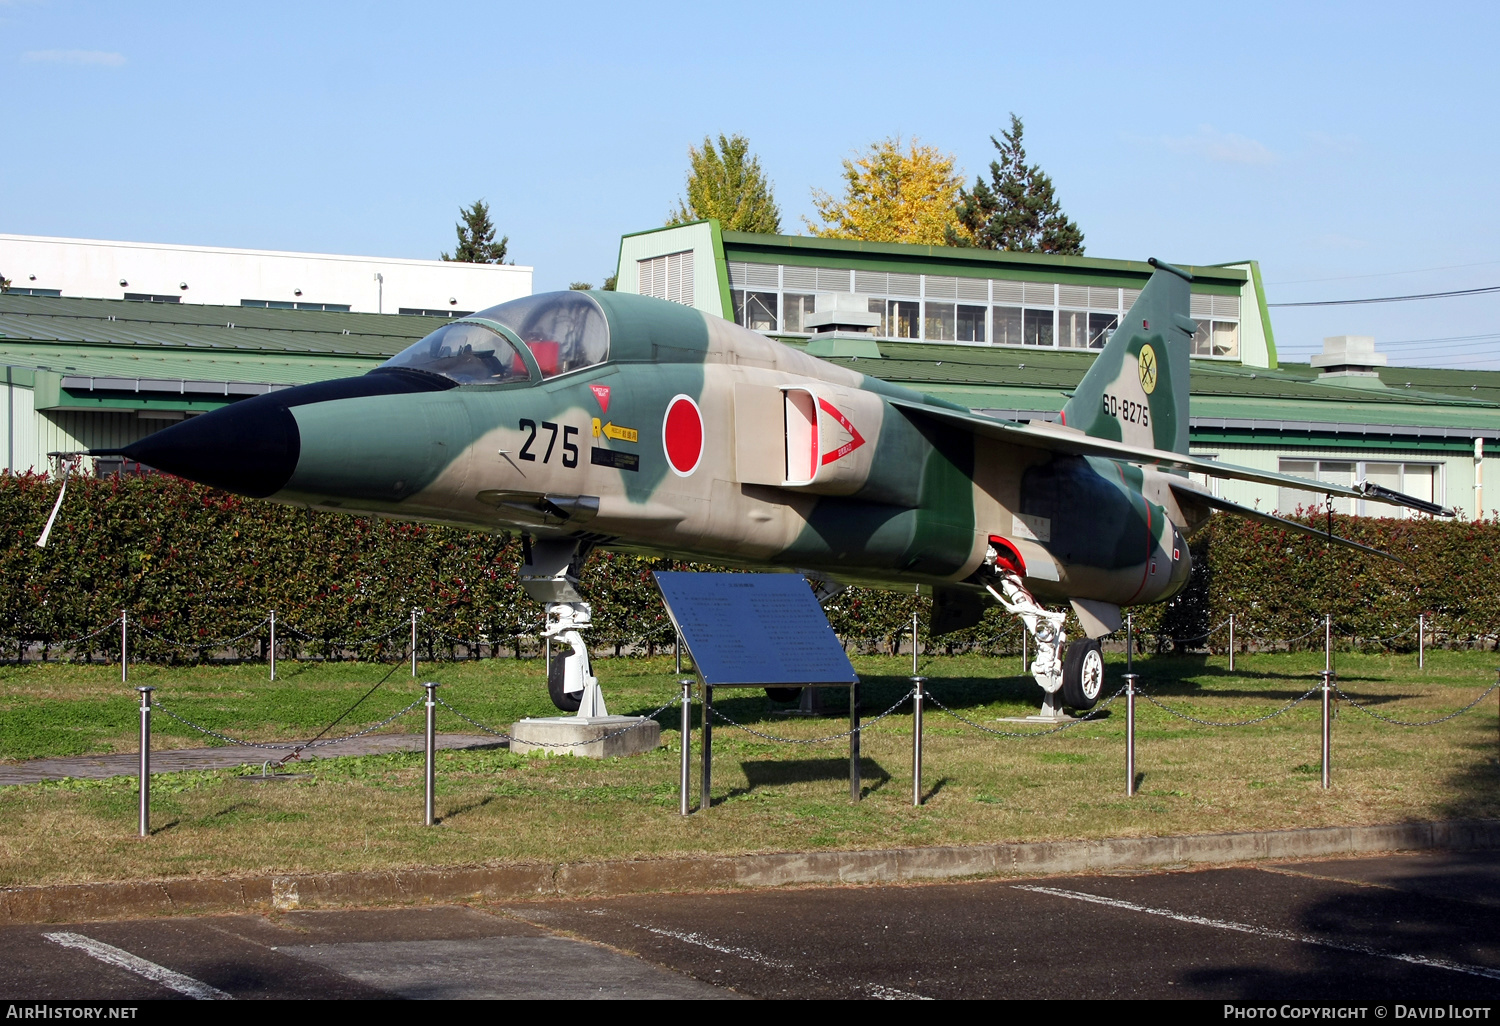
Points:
(916, 740)
(145, 786)
(855, 786)
(1130, 689)
(1231, 642)
(1327, 642)
(272, 649)
(431, 751)
(124, 652)
(704, 802)
(677, 651)
(1421, 641)
(413, 644)
(1327, 676)
(687, 741)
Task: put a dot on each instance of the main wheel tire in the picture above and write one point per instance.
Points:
(1083, 674)
(556, 674)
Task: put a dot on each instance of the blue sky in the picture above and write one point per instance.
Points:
(1350, 148)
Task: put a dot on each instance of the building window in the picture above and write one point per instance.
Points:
(971, 324)
(1419, 480)
(1007, 325)
(795, 307)
(1216, 338)
(1101, 326)
(280, 304)
(941, 323)
(755, 310)
(1072, 329)
(1036, 328)
(146, 297)
(410, 311)
(55, 293)
(901, 319)
(668, 277)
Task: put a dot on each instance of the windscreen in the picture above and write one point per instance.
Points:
(563, 330)
(469, 354)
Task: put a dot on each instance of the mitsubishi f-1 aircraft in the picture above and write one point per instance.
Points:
(605, 420)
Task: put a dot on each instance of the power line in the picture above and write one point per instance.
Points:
(1385, 274)
(1394, 299)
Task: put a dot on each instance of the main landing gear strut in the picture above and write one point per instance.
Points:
(1070, 675)
(550, 575)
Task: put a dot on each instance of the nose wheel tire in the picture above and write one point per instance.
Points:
(1083, 674)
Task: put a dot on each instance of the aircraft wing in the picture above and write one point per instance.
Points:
(1190, 491)
(1078, 444)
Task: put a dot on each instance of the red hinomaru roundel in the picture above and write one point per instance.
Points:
(682, 435)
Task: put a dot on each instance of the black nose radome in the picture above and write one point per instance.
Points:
(252, 447)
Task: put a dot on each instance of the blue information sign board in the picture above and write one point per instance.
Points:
(755, 629)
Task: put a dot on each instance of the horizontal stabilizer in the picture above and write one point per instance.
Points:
(1192, 493)
(1054, 439)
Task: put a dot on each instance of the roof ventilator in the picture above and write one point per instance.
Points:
(1350, 361)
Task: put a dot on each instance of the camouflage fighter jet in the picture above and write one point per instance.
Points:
(600, 419)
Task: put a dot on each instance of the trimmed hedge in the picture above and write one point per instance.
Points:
(198, 565)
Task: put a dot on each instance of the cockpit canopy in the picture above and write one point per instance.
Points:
(563, 330)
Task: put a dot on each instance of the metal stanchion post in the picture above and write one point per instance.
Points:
(687, 740)
(916, 740)
(272, 649)
(913, 642)
(1421, 640)
(145, 813)
(855, 785)
(1231, 642)
(1130, 683)
(1328, 642)
(431, 751)
(124, 652)
(1129, 643)
(704, 802)
(414, 644)
(1327, 725)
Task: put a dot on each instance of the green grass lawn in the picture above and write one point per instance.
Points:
(365, 813)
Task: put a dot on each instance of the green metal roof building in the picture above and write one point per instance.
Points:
(82, 373)
(1010, 333)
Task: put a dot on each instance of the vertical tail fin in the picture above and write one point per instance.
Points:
(1137, 390)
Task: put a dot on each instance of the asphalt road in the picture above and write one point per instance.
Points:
(1409, 928)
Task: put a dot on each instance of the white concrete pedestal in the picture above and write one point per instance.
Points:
(591, 730)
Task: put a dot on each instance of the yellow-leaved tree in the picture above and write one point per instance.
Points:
(894, 193)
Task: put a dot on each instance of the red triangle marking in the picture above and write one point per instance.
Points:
(601, 393)
(854, 443)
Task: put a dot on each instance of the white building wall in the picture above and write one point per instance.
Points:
(1455, 487)
(94, 269)
(695, 238)
(20, 420)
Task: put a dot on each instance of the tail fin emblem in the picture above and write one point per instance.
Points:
(1146, 364)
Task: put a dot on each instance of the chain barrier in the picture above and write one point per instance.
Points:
(1229, 723)
(279, 746)
(32, 635)
(1422, 723)
(206, 643)
(340, 642)
(815, 740)
(1097, 711)
(558, 744)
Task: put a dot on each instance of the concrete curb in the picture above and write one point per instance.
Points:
(75, 902)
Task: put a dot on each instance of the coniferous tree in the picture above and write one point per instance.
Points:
(1018, 209)
(476, 237)
(727, 183)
